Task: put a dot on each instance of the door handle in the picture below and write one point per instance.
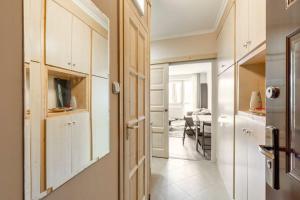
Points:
(272, 158)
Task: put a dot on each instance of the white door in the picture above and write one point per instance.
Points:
(159, 103)
(81, 141)
(58, 36)
(81, 46)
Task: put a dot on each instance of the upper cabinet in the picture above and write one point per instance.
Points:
(32, 30)
(250, 25)
(100, 55)
(226, 42)
(58, 36)
(68, 40)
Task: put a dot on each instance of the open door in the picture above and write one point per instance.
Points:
(159, 113)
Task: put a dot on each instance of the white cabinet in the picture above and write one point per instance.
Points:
(100, 55)
(32, 30)
(250, 164)
(81, 141)
(225, 133)
(58, 36)
(81, 46)
(250, 25)
(226, 42)
(68, 147)
(100, 117)
(68, 40)
(58, 150)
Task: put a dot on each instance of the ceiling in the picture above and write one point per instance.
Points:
(178, 18)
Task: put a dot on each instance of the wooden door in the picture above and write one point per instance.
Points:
(225, 136)
(159, 104)
(81, 141)
(100, 117)
(242, 28)
(58, 150)
(257, 23)
(58, 36)
(100, 55)
(135, 80)
(81, 46)
(241, 158)
(256, 161)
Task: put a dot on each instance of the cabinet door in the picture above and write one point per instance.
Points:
(81, 141)
(226, 43)
(257, 23)
(100, 55)
(100, 117)
(241, 158)
(242, 28)
(225, 136)
(58, 36)
(58, 150)
(36, 16)
(81, 46)
(256, 162)
(26, 30)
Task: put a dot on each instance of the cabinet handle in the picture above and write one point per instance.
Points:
(69, 63)
(245, 45)
(73, 122)
(249, 43)
(69, 123)
(222, 66)
(74, 65)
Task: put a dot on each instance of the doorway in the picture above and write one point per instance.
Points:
(181, 103)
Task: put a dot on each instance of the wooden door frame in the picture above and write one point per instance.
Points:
(121, 28)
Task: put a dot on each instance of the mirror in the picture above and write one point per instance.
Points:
(66, 91)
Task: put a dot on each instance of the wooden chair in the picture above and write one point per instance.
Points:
(189, 128)
(206, 138)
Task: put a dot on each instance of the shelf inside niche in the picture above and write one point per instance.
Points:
(79, 88)
(252, 77)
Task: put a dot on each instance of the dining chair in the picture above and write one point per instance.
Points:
(206, 138)
(189, 128)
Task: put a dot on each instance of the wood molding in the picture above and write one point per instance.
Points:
(185, 58)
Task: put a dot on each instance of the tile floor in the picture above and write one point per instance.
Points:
(176, 179)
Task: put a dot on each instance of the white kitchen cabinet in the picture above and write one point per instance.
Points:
(58, 150)
(100, 55)
(250, 164)
(68, 40)
(250, 26)
(226, 42)
(100, 117)
(58, 36)
(81, 141)
(81, 46)
(68, 147)
(225, 133)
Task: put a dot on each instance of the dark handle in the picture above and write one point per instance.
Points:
(272, 156)
(166, 110)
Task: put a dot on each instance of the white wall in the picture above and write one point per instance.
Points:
(200, 45)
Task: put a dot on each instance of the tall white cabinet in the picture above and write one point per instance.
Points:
(225, 132)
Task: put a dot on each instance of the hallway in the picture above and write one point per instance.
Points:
(176, 179)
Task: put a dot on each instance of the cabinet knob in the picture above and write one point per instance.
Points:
(245, 45)
(272, 92)
(249, 43)
(69, 63)
(69, 123)
(74, 65)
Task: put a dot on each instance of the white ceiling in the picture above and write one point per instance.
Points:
(178, 18)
